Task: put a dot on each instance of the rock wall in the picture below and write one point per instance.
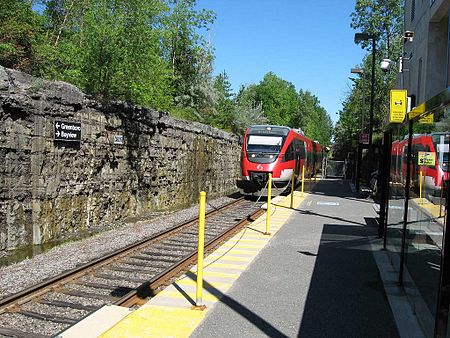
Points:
(51, 189)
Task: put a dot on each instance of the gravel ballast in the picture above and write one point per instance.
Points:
(16, 277)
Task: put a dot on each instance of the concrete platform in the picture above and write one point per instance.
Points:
(317, 275)
(97, 323)
(170, 313)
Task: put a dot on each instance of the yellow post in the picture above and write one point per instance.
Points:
(442, 195)
(201, 245)
(303, 179)
(420, 187)
(292, 188)
(269, 201)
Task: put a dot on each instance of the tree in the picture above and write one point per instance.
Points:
(315, 121)
(186, 50)
(20, 32)
(225, 109)
(248, 110)
(98, 46)
(278, 98)
(381, 18)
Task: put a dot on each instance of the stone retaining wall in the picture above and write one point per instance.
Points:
(51, 189)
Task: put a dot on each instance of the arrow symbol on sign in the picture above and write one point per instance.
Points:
(57, 125)
(398, 103)
(57, 133)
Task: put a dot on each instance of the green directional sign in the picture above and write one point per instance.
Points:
(426, 158)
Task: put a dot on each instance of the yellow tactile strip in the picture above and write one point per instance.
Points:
(170, 313)
(433, 209)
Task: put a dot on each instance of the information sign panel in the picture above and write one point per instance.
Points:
(429, 119)
(426, 158)
(364, 138)
(398, 105)
(67, 131)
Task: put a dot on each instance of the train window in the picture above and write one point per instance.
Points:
(290, 154)
(405, 154)
(300, 149)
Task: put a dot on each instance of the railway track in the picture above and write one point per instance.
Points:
(127, 277)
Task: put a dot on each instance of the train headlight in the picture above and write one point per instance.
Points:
(270, 156)
(253, 155)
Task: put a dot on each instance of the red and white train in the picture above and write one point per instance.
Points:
(435, 176)
(278, 150)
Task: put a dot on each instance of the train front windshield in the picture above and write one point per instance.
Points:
(441, 143)
(264, 143)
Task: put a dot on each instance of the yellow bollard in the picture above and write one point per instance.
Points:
(303, 179)
(269, 201)
(420, 187)
(201, 245)
(292, 188)
(442, 195)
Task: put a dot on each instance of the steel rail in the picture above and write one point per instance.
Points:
(151, 288)
(12, 302)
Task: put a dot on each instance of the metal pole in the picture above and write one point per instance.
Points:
(292, 188)
(201, 245)
(385, 167)
(387, 188)
(303, 179)
(372, 92)
(406, 205)
(442, 194)
(441, 320)
(269, 201)
(420, 187)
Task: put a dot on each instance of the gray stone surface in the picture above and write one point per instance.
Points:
(316, 278)
(52, 190)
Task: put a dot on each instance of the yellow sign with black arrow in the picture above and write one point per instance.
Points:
(426, 158)
(398, 105)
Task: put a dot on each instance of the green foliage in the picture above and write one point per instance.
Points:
(149, 52)
(316, 122)
(380, 18)
(189, 56)
(383, 19)
(20, 31)
(278, 98)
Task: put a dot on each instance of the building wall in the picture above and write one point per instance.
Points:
(53, 190)
(426, 58)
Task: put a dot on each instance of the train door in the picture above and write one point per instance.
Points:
(300, 151)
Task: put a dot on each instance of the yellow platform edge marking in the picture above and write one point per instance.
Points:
(164, 321)
(433, 209)
(167, 320)
(193, 282)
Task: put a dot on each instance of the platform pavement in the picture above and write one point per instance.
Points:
(317, 276)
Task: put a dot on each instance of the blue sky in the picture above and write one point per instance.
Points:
(308, 43)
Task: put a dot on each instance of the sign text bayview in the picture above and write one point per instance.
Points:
(67, 131)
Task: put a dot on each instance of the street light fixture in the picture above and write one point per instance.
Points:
(356, 71)
(365, 37)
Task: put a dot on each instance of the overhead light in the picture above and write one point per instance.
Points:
(408, 36)
(386, 64)
(356, 71)
(362, 37)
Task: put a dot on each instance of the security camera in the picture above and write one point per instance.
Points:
(408, 36)
(386, 65)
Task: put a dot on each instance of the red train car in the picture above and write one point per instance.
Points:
(278, 150)
(435, 176)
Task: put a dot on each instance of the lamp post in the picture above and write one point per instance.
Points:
(365, 37)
